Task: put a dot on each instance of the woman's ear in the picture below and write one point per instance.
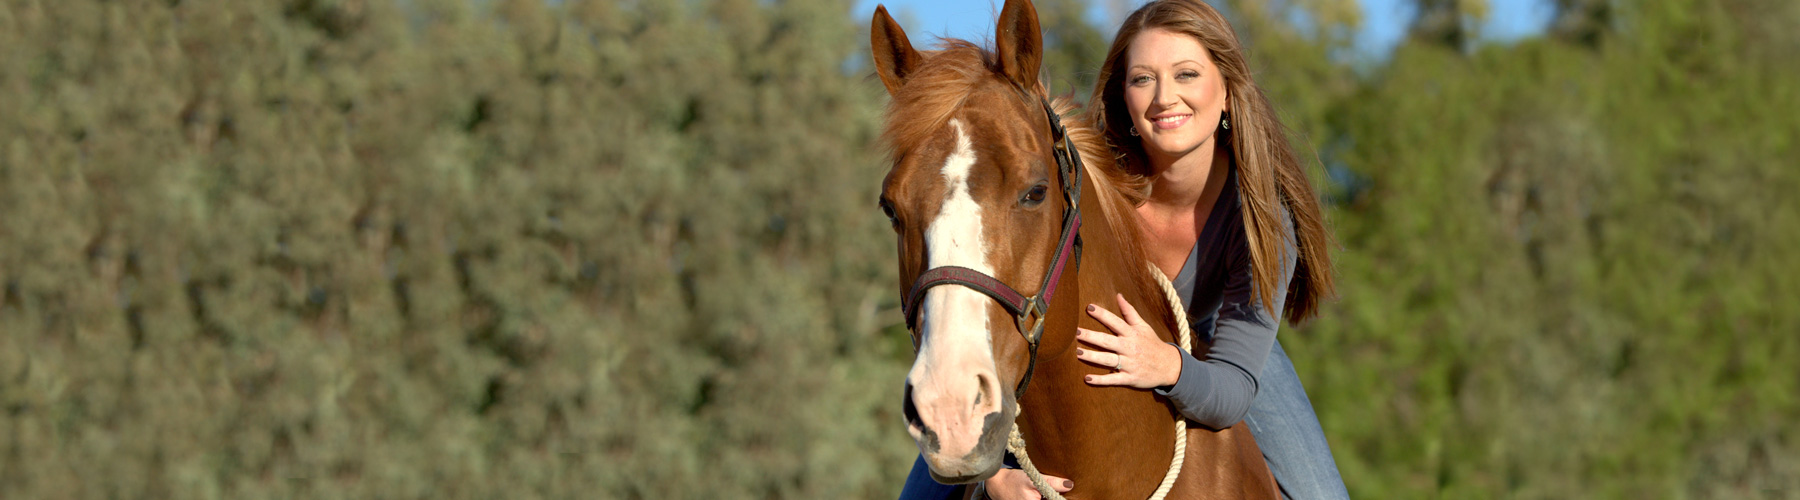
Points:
(1020, 43)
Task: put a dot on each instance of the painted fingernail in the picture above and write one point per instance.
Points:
(1090, 308)
(1088, 379)
(1068, 484)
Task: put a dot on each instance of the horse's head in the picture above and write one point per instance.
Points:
(975, 184)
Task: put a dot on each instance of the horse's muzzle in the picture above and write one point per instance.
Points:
(976, 464)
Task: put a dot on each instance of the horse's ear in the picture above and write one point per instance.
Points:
(895, 58)
(1020, 43)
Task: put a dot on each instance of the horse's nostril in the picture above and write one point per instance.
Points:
(908, 410)
(928, 440)
(983, 389)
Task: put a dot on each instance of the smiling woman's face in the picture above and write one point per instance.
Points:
(1174, 92)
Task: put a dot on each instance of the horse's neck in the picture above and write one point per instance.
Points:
(1071, 423)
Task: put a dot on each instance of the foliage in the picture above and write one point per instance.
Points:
(516, 248)
(1564, 277)
(396, 250)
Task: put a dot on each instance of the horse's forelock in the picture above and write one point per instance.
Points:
(942, 85)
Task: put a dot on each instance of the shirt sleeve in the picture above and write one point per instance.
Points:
(1216, 390)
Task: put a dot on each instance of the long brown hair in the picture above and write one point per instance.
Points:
(1269, 172)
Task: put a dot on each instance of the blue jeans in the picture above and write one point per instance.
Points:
(920, 485)
(1285, 427)
(1288, 432)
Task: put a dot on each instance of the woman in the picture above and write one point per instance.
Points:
(1228, 212)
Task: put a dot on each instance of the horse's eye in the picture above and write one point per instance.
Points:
(888, 209)
(1034, 196)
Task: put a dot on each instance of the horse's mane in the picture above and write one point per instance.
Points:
(1120, 194)
(943, 84)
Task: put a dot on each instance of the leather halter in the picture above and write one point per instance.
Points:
(1029, 312)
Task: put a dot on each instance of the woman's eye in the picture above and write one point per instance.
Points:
(1188, 75)
(1034, 196)
(1140, 80)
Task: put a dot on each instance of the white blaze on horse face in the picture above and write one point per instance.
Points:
(955, 315)
(954, 379)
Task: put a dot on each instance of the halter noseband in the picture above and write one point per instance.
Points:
(1029, 312)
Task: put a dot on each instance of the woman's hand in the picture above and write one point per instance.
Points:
(1013, 484)
(1132, 350)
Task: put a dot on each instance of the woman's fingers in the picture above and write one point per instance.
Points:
(1101, 359)
(1061, 485)
(1132, 350)
(1125, 324)
(1013, 483)
(1103, 340)
(1130, 313)
(1112, 321)
(1010, 484)
(1114, 378)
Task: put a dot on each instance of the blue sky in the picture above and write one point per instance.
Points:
(1384, 21)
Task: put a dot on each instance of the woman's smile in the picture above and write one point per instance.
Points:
(1171, 122)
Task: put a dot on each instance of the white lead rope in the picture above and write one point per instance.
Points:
(1016, 443)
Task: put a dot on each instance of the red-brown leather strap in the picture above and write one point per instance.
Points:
(1012, 300)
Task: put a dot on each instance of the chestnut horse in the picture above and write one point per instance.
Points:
(977, 197)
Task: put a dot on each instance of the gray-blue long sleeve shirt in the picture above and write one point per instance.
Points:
(1216, 285)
